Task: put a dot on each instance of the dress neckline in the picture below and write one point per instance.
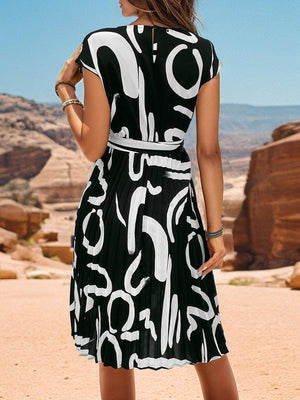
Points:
(159, 26)
(156, 26)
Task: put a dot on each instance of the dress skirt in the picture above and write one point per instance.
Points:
(136, 298)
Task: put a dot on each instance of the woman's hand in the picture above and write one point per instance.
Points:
(70, 71)
(217, 252)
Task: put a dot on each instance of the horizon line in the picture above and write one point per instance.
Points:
(58, 104)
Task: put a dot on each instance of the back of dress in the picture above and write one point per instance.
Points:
(136, 299)
(151, 75)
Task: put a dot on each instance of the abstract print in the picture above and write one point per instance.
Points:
(136, 299)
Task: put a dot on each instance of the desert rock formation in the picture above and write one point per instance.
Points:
(286, 130)
(63, 178)
(37, 144)
(22, 220)
(267, 231)
(294, 280)
(8, 240)
(17, 163)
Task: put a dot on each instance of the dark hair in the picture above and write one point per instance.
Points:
(173, 13)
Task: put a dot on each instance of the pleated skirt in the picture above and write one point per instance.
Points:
(136, 299)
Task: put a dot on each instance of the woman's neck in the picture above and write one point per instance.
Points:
(146, 20)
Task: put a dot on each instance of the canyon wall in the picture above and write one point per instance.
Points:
(266, 233)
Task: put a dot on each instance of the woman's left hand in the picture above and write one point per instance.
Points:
(70, 71)
(217, 252)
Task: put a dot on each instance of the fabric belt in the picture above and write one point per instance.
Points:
(128, 144)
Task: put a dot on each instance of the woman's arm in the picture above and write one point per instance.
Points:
(90, 126)
(210, 166)
(208, 151)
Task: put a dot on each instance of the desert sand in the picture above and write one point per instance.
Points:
(39, 360)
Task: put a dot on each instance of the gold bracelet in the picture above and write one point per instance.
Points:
(63, 83)
(71, 101)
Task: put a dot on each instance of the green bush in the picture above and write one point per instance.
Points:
(242, 281)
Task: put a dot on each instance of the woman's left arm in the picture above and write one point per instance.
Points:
(90, 126)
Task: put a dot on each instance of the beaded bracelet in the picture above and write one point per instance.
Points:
(71, 101)
(211, 235)
(63, 83)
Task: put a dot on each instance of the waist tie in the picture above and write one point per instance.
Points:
(128, 144)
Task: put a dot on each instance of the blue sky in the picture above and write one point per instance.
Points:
(257, 41)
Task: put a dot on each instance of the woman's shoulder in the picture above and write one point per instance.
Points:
(205, 46)
(202, 41)
(104, 29)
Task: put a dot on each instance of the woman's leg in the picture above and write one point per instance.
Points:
(116, 383)
(217, 380)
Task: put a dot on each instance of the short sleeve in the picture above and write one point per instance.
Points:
(211, 64)
(85, 58)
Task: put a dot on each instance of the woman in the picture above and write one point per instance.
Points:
(136, 300)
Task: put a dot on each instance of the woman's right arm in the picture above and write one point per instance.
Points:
(90, 126)
(210, 166)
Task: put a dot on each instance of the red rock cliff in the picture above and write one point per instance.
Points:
(266, 233)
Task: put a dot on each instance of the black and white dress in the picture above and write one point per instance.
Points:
(136, 299)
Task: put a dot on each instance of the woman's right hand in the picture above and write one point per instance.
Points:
(70, 71)
(217, 252)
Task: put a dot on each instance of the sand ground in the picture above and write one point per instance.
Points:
(39, 361)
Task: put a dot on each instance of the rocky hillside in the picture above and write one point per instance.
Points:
(37, 145)
(18, 114)
(266, 234)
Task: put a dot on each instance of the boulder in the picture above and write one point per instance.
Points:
(286, 130)
(240, 260)
(8, 274)
(38, 274)
(294, 280)
(56, 249)
(266, 233)
(43, 273)
(22, 220)
(8, 240)
(23, 253)
(34, 261)
(42, 236)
